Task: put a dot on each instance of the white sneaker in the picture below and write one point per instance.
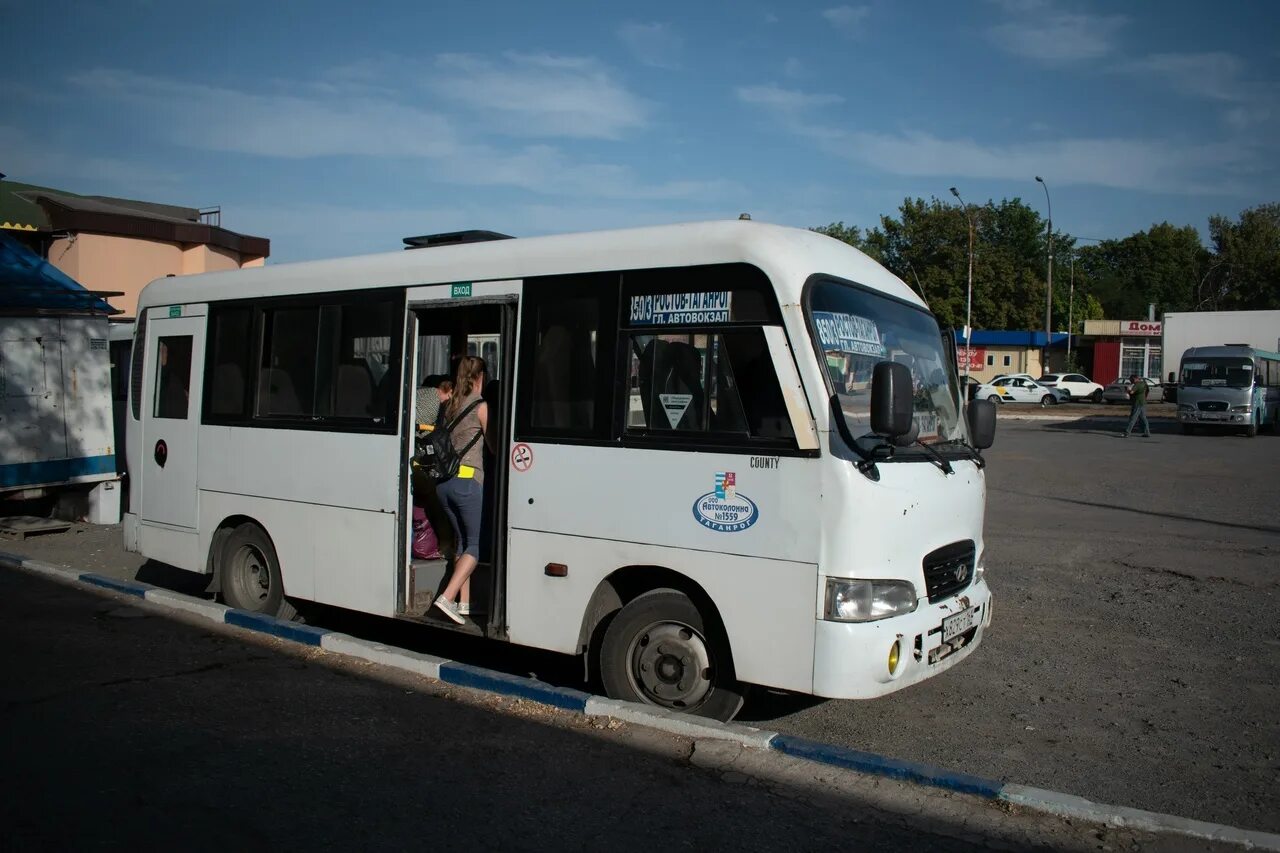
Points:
(450, 609)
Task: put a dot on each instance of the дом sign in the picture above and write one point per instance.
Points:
(1149, 328)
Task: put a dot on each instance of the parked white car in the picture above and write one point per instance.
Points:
(1077, 385)
(1019, 389)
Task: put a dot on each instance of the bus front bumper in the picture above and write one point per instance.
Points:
(1227, 417)
(851, 659)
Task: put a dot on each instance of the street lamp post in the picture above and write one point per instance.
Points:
(1048, 300)
(1071, 306)
(968, 296)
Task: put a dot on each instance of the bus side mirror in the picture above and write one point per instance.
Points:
(982, 423)
(1173, 377)
(891, 399)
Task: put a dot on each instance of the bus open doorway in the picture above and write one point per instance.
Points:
(443, 332)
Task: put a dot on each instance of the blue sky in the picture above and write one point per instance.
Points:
(338, 128)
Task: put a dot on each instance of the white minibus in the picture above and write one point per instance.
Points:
(1233, 385)
(728, 453)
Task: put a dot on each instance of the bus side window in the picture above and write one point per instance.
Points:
(173, 378)
(567, 350)
(706, 382)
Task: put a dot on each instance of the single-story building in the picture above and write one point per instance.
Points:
(120, 245)
(994, 352)
(1110, 349)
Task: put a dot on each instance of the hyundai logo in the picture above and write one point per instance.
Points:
(962, 573)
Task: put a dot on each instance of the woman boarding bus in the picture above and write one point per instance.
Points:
(724, 453)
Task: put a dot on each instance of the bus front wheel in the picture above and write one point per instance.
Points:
(659, 651)
(250, 573)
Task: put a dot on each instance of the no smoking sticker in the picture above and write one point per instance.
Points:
(522, 457)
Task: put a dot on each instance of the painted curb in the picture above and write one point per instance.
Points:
(133, 588)
(880, 765)
(679, 724)
(57, 573)
(304, 634)
(465, 675)
(1071, 806)
(210, 610)
(477, 678)
(367, 650)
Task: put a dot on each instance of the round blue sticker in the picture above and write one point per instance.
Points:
(725, 513)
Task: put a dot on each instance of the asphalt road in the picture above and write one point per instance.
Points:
(128, 730)
(1134, 657)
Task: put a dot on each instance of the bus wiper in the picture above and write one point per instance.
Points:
(974, 453)
(936, 457)
(867, 457)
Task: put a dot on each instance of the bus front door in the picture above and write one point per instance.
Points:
(172, 388)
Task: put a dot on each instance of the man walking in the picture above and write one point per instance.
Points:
(1137, 406)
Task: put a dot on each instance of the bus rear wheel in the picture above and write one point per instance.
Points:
(250, 573)
(659, 651)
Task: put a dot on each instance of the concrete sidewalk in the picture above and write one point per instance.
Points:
(130, 729)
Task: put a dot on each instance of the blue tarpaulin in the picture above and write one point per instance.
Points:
(30, 283)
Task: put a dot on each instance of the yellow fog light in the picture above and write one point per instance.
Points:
(894, 651)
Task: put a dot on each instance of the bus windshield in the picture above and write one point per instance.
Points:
(1229, 371)
(856, 329)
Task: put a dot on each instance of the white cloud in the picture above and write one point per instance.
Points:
(343, 115)
(1134, 164)
(847, 18)
(545, 169)
(653, 44)
(539, 94)
(312, 231)
(784, 100)
(1050, 36)
(28, 160)
(273, 125)
(1214, 75)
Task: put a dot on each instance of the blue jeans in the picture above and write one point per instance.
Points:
(1134, 414)
(463, 501)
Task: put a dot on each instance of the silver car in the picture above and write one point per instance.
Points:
(1118, 391)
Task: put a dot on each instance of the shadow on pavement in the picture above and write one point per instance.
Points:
(171, 577)
(1114, 427)
(1262, 528)
(143, 733)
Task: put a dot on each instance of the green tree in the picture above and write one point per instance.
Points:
(927, 245)
(1160, 266)
(850, 234)
(1245, 271)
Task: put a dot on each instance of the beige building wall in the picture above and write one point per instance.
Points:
(128, 264)
(1021, 360)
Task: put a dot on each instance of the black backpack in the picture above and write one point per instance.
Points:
(442, 460)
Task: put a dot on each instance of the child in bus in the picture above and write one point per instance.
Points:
(462, 495)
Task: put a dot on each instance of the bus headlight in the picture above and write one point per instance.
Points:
(1186, 407)
(1241, 408)
(867, 601)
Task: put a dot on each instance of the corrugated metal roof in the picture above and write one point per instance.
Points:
(30, 284)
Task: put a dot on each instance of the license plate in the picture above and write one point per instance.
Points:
(1212, 416)
(954, 626)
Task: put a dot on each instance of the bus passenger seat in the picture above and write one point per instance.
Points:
(551, 379)
(276, 395)
(228, 390)
(354, 387)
